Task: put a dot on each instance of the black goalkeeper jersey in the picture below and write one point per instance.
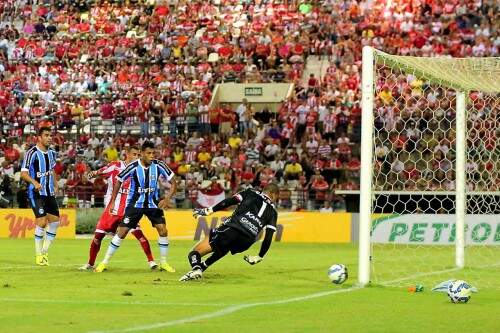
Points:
(255, 212)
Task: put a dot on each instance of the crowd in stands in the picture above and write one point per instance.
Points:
(146, 69)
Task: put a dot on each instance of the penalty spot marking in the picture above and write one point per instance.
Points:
(226, 311)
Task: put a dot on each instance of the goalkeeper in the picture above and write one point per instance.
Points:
(256, 211)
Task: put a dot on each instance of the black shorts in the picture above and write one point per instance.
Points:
(133, 216)
(43, 205)
(225, 238)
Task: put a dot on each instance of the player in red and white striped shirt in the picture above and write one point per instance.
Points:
(109, 222)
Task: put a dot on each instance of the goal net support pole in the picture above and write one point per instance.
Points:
(460, 197)
(365, 204)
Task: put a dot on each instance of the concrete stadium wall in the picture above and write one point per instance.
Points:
(273, 94)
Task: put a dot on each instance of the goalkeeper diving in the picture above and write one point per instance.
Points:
(256, 211)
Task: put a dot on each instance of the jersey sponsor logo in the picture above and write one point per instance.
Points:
(253, 218)
(42, 174)
(124, 191)
(146, 189)
(249, 225)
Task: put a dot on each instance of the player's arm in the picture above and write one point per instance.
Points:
(56, 177)
(105, 171)
(165, 202)
(28, 159)
(266, 243)
(168, 174)
(122, 176)
(56, 184)
(114, 194)
(228, 202)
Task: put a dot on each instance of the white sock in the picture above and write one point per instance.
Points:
(163, 244)
(113, 246)
(50, 235)
(39, 232)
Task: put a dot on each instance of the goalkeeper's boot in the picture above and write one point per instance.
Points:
(46, 258)
(192, 275)
(153, 265)
(166, 267)
(40, 260)
(86, 267)
(100, 268)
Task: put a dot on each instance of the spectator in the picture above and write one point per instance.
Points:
(111, 153)
(292, 170)
(327, 207)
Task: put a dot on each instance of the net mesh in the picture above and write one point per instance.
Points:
(414, 178)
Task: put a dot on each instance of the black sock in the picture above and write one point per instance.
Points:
(213, 258)
(194, 258)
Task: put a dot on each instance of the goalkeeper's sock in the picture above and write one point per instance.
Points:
(213, 258)
(194, 258)
(39, 231)
(113, 246)
(95, 246)
(163, 244)
(144, 243)
(50, 235)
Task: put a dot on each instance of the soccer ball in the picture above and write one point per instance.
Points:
(337, 273)
(459, 291)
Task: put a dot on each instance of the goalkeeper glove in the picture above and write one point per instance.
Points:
(252, 260)
(197, 212)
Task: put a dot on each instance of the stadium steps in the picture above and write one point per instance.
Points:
(315, 65)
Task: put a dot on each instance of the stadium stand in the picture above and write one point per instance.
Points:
(107, 74)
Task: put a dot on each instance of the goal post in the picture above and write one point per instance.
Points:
(430, 169)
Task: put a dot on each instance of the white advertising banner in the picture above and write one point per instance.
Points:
(434, 229)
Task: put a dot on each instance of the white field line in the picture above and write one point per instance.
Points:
(393, 282)
(95, 302)
(226, 311)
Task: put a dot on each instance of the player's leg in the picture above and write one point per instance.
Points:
(220, 241)
(95, 247)
(37, 205)
(216, 244)
(107, 223)
(143, 241)
(157, 219)
(201, 249)
(52, 225)
(130, 221)
(40, 224)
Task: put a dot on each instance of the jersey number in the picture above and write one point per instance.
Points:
(262, 209)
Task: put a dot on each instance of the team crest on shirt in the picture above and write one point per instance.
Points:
(40, 211)
(126, 220)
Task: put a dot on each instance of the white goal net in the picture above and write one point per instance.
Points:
(431, 182)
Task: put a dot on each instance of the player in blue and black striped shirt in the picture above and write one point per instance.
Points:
(38, 171)
(143, 199)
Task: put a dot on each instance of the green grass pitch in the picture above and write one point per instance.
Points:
(288, 292)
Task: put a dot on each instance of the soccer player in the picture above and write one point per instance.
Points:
(38, 171)
(255, 211)
(143, 199)
(114, 211)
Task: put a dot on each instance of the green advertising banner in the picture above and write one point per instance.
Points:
(434, 229)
